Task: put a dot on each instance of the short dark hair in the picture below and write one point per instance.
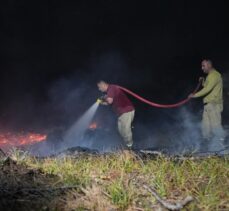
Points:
(208, 61)
(101, 81)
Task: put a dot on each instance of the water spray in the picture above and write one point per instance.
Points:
(75, 134)
(78, 129)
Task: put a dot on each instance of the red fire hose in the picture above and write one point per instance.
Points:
(156, 104)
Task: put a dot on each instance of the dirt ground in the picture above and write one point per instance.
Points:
(22, 188)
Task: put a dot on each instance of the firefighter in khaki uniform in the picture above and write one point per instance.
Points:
(212, 93)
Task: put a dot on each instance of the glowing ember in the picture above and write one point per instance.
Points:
(8, 140)
(93, 126)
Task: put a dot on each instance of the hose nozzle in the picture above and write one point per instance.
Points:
(98, 101)
(101, 99)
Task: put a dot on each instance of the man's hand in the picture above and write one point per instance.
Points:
(201, 79)
(107, 101)
(101, 102)
(104, 103)
(191, 96)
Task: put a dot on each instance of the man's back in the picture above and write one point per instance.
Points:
(213, 88)
(214, 80)
(121, 104)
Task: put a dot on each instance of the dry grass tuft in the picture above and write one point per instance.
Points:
(114, 181)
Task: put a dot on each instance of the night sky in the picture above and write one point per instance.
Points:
(50, 48)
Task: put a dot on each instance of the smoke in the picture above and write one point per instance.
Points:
(187, 134)
(174, 130)
(71, 95)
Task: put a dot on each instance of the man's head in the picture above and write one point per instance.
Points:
(102, 86)
(206, 65)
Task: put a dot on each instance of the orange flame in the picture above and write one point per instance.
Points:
(93, 126)
(8, 139)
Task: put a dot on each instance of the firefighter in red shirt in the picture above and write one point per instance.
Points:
(122, 106)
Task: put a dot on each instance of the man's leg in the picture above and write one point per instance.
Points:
(206, 127)
(216, 121)
(124, 127)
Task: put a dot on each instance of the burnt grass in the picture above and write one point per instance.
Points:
(23, 188)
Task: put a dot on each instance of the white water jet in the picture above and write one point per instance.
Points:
(75, 134)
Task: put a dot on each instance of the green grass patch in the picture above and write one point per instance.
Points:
(117, 179)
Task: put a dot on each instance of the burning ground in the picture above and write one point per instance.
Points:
(87, 177)
(12, 139)
(117, 181)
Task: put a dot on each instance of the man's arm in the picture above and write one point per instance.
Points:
(110, 95)
(212, 80)
(107, 101)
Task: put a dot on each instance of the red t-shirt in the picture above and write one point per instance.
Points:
(121, 104)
